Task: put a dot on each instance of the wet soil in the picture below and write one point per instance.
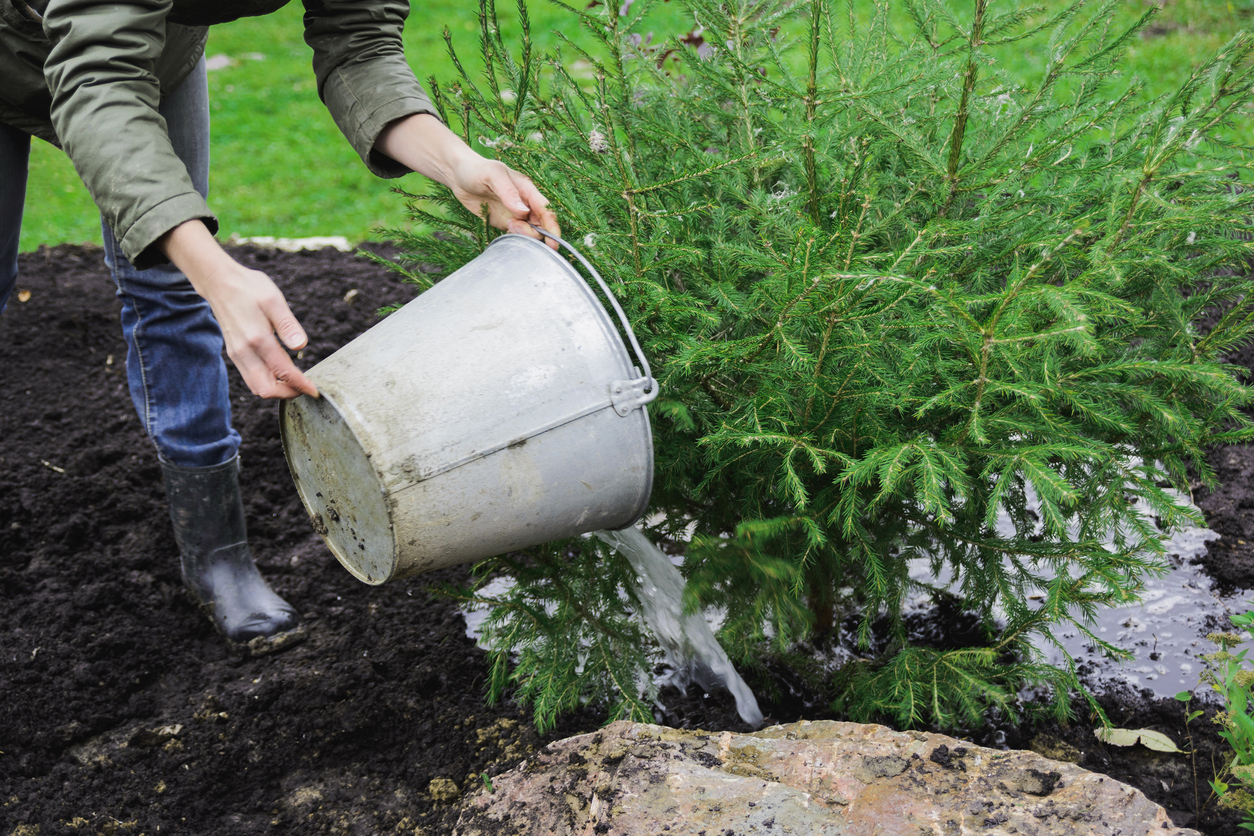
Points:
(121, 711)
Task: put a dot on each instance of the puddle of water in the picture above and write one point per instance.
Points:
(1165, 631)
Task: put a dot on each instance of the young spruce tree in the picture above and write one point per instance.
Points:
(890, 293)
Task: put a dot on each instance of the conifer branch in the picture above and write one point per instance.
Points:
(969, 79)
(811, 109)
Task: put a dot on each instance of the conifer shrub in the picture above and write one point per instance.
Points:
(892, 296)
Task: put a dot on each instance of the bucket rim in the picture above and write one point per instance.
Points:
(306, 501)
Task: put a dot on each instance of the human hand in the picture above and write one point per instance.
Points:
(249, 308)
(508, 199)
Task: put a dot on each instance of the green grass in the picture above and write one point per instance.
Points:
(281, 167)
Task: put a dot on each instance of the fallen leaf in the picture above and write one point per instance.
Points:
(23, 296)
(1157, 741)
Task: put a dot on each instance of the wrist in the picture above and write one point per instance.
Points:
(191, 247)
(424, 144)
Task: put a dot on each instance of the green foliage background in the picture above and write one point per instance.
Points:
(890, 289)
(280, 167)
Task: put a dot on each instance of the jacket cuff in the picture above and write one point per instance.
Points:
(362, 122)
(138, 241)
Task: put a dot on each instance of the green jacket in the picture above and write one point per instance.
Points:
(87, 75)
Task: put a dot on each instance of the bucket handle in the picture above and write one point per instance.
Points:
(649, 388)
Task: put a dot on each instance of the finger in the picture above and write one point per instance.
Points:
(541, 215)
(269, 371)
(548, 220)
(528, 192)
(526, 229)
(523, 228)
(297, 383)
(502, 185)
(260, 380)
(285, 372)
(280, 391)
(288, 380)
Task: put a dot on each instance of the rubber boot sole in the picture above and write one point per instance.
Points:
(258, 645)
(266, 645)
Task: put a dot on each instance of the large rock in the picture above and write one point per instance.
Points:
(807, 778)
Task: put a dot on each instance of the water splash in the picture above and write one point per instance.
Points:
(687, 641)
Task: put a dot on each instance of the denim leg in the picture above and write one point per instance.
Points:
(14, 161)
(178, 379)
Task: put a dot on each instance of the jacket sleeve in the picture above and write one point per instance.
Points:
(362, 74)
(105, 95)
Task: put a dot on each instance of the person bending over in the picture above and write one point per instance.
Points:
(121, 86)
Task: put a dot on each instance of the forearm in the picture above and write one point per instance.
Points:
(424, 144)
(363, 77)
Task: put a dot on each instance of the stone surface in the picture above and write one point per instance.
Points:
(821, 778)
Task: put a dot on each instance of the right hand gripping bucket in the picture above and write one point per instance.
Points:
(496, 411)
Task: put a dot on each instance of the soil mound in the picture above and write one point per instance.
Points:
(123, 713)
(123, 710)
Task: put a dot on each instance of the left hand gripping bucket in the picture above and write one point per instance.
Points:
(498, 410)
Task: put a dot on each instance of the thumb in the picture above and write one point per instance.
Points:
(505, 190)
(286, 325)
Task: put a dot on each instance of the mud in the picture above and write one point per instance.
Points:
(123, 712)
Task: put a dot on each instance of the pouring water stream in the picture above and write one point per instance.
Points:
(686, 639)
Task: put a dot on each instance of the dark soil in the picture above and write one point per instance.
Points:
(122, 712)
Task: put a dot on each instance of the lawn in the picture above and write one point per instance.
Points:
(280, 166)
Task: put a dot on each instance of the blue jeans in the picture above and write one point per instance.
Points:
(178, 379)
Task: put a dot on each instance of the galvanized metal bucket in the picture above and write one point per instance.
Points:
(496, 411)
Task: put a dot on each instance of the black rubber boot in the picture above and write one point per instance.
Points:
(218, 568)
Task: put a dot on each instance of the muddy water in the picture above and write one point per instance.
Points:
(1165, 632)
